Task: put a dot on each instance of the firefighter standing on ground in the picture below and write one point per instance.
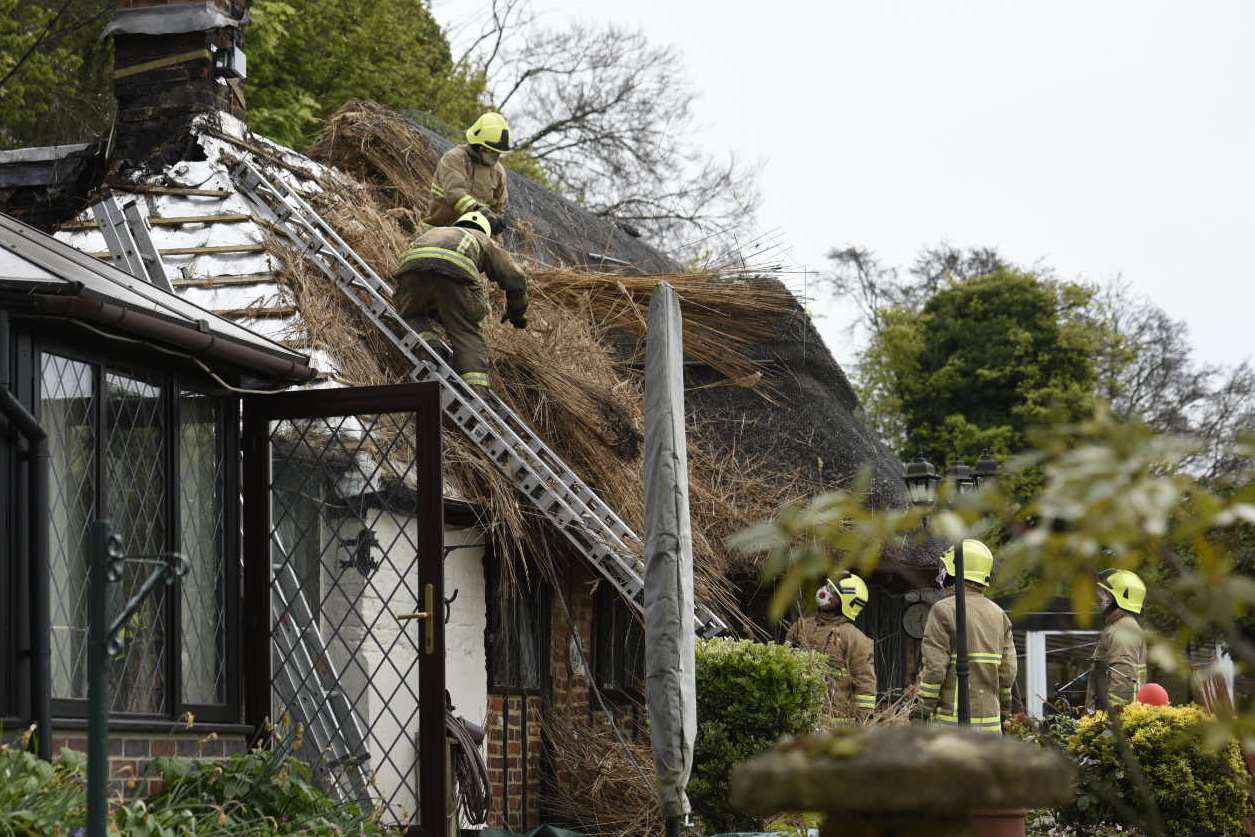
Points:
(439, 282)
(1119, 664)
(831, 631)
(470, 177)
(991, 649)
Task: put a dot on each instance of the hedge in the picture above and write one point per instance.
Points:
(749, 695)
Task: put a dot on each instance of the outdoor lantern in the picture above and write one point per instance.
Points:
(986, 470)
(961, 477)
(921, 482)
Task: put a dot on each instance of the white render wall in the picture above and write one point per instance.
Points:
(394, 754)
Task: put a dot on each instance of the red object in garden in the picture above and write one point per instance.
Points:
(1154, 694)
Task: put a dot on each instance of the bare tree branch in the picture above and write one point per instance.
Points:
(609, 117)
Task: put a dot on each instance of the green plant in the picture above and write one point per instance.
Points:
(261, 792)
(749, 695)
(39, 797)
(1195, 786)
(264, 793)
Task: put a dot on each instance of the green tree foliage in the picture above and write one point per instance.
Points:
(308, 57)
(748, 696)
(54, 79)
(981, 361)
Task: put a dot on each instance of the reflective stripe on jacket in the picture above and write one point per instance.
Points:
(463, 254)
(1118, 670)
(462, 184)
(852, 681)
(991, 659)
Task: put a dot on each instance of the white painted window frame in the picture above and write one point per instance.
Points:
(1035, 685)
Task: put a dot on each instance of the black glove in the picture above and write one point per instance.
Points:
(497, 222)
(519, 321)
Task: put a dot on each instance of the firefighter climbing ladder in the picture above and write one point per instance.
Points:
(557, 491)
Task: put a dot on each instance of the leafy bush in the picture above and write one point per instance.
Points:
(38, 797)
(1194, 787)
(261, 794)
(749, 695)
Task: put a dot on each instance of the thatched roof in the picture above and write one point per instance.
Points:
(778, 410)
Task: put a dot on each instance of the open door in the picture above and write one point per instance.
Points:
(343, 595)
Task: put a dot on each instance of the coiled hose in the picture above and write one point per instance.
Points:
(469, 769)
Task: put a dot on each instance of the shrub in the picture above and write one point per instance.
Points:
(1194, 787)
(262, 794)
(749, 695)
(38, 797)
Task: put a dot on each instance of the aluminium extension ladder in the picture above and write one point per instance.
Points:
(129, 241)
(535, 470)
(308, 684)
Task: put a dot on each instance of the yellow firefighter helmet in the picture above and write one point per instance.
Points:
(491, 131)
(474, 220)
(978, 562)
(853, 593)
(1128, 590)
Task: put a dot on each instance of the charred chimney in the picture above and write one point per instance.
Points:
(173, 61)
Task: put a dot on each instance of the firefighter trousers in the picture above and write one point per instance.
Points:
(428, 298)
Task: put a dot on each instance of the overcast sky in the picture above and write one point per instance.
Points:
(1100, 137)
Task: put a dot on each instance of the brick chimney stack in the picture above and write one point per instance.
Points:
(173, 60)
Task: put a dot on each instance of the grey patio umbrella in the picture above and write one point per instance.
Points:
(670, 688)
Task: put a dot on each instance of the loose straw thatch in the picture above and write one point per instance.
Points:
(597, 784)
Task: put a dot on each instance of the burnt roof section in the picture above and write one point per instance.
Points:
(48, 185)
(560, 231)
(52, 277)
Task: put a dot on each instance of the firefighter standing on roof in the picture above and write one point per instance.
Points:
(991, 649)
(470, 177)
(1119, 664)
(439, 282)
(831, 631)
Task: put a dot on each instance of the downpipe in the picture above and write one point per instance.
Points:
(21, 420)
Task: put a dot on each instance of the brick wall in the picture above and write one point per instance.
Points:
(130, 755)
(516, 761)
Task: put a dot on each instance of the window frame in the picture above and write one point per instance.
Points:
(540, 596)
(609, 605)
(174, 382)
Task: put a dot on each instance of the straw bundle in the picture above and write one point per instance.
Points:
(369, 142)
(722, 318)
(597, 784)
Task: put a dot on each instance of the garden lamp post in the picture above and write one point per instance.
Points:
(963, 481)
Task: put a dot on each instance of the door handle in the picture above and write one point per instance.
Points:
(427, 616)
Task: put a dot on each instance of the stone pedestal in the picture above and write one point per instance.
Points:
(923, 781)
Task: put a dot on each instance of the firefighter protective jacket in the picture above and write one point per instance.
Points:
(462, 254)
(1119, 665)
(852, 678)
(991, 656)
(461, 184)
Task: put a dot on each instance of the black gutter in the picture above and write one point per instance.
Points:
(203, 344)
(40, 619)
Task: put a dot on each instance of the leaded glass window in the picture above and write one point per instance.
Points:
(203, 505)
(124, 448)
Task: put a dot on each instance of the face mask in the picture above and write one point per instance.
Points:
(489, 157)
